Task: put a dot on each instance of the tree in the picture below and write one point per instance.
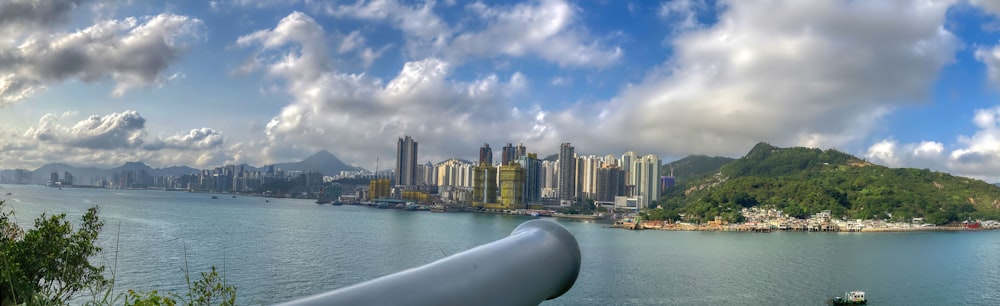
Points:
(49, 261)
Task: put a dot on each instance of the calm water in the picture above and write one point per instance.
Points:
(286, 249)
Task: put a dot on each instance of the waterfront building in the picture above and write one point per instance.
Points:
(522, 151)
(610, 183)
(587, 175)
(484, 185)
(532, 178)
(511, 181)
(379, 189)
(454, 173)
(426, 175)
(486, 155)
(406, 162)
(549, 179)
(646, 172)
(626, 164)
(567, 172)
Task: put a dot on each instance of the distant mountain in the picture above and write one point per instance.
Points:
(81, 175)
(176, 171)
(323, 161)
(804, 181)
(695, 166)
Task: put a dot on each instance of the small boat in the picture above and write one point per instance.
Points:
(215, 198)
(322, 201)
(338, 203)
(850, 298)
(8, 193)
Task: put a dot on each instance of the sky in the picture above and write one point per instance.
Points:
(208, 83)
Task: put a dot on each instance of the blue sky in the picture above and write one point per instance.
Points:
(207, 83)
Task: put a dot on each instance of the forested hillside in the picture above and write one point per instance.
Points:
(803, 181)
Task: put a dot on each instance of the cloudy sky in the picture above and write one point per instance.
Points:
(206, 83)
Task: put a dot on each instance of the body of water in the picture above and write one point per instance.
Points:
(285, 249)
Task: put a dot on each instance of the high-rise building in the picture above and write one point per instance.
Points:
(610, 183)
(646, 171)
(521, 151)
(567, 172)
(511, 186)
(626, 164)
(486, 155)
(426, 175)
(406, 162)
(508, 154)
(532, 178)
(484, 185)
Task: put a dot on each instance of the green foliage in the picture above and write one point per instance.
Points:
(211, 290)
(152, 298)
(802, 182)
(49, 263)
(695, 166)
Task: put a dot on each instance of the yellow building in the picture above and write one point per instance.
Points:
(484, 185)
(512, 186)
(378, 188)
(418, 196)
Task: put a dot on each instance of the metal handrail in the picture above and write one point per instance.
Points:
(540, 260)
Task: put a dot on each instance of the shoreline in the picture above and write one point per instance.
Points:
(696, 228)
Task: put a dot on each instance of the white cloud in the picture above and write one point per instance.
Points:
(991, 58)
(546, 29)
(817, 73)
(682, 14)
(362, 116)
(108, 140)
(990, 6)
(132, 52)
(975, 156)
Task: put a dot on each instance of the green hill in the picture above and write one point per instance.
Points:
(804, 181)
(695, 166)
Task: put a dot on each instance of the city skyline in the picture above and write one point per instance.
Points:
(207, 84)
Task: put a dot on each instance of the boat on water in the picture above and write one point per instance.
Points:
(215, 198)
(338, 203)
(322, 201)
(850, 298)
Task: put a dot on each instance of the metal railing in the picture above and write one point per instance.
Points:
(540, 260)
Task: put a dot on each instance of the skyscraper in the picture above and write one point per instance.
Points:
(646, 170)
(521, 151)
(406, 162)
(532, 178)
(508, 154)
(567, 172)
(486, 155)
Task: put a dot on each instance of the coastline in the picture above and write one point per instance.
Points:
(740, 228)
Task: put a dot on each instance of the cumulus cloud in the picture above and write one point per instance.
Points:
(682, 14)
(546, 29)
(361, 115)
(133, 52)
(817, 73)
(976, 156)
(991, 58)
(991, 6)
(22, 15)
(108, 140)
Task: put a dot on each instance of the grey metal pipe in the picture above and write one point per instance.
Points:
(540, 260)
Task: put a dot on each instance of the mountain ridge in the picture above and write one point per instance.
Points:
(322, 161)
(803, 181)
